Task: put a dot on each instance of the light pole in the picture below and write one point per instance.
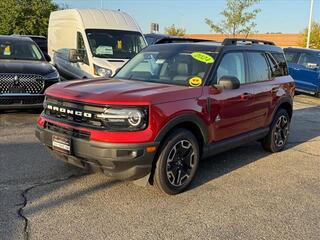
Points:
(101, 4)
(310, 23)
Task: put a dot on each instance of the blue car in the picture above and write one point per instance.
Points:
(304, 68)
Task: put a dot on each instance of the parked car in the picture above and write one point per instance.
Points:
(304, 67)
(153, 38)
(87, 43)
(24, 73)
(170, 106)
(41, 41)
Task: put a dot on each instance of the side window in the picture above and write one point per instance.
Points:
(81, 48)
(258, 67)
(278, 64)
(292, 57)
(306, 58)
(232, 64)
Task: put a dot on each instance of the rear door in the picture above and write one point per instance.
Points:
(307, 79)
(293, 67)
(261, 82)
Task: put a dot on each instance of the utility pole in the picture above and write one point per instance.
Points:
(310, 24)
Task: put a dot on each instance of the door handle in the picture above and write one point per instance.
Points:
(246, 96)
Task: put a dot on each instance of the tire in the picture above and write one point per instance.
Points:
(278, 135)
(177, 163)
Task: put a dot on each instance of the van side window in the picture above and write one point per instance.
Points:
(278, 64)
(81, 48)
(306, 58)
(232, 64)
(258, 67)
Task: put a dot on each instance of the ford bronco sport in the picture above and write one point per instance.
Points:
(170, 106)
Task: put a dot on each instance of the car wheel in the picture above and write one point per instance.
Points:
(177, 163)
(278, 135)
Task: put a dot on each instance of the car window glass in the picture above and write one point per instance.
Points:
(258, 67)
(292, 57)
(232, 64)
(278, 64)
(81, 48)
(306, 58)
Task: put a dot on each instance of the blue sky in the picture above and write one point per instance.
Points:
(286, 16)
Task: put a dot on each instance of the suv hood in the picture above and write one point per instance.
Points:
(115, 91)
(26, 67)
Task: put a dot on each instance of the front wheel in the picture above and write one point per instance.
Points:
(278, 135)
(177, 162)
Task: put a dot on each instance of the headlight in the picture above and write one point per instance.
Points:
(52, 75)
(128, 119)
(102, 72)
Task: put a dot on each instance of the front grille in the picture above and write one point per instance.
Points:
(79, 116)
(67, 131)
(21, 100)
(21, 83)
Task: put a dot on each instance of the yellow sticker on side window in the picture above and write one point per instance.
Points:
(195, 82)
(202, 57)
(7, 51)
(119, 44)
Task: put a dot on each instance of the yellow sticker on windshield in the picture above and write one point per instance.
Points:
(7, 51)
(119, 44)
(202, 57)
(195, 82)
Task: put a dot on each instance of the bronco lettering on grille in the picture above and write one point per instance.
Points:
(69, 111)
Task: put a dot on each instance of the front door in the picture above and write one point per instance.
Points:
(231, 109)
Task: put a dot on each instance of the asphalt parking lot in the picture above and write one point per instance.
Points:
(242, 194)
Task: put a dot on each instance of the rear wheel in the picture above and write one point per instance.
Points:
(177, 162)
(278, 135)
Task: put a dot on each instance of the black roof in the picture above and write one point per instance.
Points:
(15, 38)
(249, 44)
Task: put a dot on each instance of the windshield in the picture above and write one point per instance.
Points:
(115, 43)
(19, 50)
(170, 64)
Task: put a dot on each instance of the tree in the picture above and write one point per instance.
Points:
(237, 18)
(174, 31)
(314, 37)
(30, 17)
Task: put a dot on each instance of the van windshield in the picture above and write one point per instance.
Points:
(116, 44)
(19, 50)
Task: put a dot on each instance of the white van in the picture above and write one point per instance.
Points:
(87, 43)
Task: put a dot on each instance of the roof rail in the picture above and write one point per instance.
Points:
(235, 41)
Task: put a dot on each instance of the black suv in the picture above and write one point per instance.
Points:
(24, 73)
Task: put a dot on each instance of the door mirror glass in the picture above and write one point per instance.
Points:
(312, 66)
(229, 82)
(74, 56)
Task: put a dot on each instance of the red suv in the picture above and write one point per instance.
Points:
(170, 106)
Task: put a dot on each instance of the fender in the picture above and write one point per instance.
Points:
(183, 119)
(283, 100)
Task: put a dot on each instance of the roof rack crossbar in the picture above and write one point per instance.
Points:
(235, 41)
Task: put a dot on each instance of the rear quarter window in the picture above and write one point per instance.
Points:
(278, 64)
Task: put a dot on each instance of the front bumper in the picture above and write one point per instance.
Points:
(119, 161)
(14, 101)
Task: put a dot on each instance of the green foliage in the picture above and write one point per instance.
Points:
(25, 16)
(237, 18)
(174, 31)
(314, 37)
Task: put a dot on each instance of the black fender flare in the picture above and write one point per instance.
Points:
(280, 102)
(184, 119)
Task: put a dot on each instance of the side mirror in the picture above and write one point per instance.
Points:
(47, 57)
(229, 82)
(312, 66)
(74, 56)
